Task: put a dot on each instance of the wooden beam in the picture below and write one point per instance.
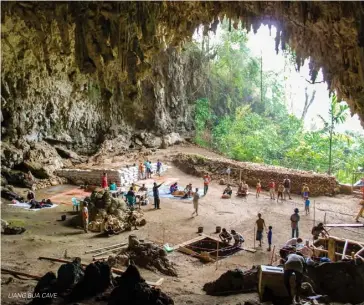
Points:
(107, 251)
(13, 272)
(338, 225)
(198, 238)
(331, 249)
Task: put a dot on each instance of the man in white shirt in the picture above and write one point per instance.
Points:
(296, 264)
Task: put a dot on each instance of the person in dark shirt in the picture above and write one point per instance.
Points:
(156, 195)
(270, 234)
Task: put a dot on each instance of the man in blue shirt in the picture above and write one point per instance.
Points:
(156, 195)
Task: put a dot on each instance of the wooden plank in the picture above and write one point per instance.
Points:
(331, 249)
(189, 242)
(344, 250)
(338, 225)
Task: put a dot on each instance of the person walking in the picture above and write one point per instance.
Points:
(156, 195)
(85, 217)
(260, 227)
(196, 198)
(296, 264)
(295, 218)
(287, 187)
(206, 182)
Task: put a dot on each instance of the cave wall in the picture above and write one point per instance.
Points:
(46, 97)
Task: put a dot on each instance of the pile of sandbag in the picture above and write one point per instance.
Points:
(146, 255)
(319, 184)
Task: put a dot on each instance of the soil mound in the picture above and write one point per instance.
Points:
(233, 281)
(133, 290)
(342, 281)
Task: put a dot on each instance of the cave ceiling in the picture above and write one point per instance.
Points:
(127, 35)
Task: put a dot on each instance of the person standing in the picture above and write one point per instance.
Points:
(280, 192)
(206, 182)
(141, 171)
(270, 235)
(296, 264)
(104, 183)
(272, 189)
(159, 167)
(85, 217)
(307, 205)
(287, 187)
(305, 190)
(156, 195)
(196, 198)
(259, 189)
(295, 218)
(260, 227)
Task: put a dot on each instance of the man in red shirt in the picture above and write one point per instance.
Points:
(272, 188)
(206, 181)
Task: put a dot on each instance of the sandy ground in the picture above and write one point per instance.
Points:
(46, 235)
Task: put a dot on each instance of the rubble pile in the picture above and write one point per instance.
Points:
(109, 214)
(133, 290)
(342, 281)
(233, 281)
(73, 283)
(319, 184)
(146, 255)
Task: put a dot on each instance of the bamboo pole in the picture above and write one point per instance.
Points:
(108, 247)
(217, 253)
(107, 251)
(344, 250)
(35, 277)
(254, 238)
(271, 258)
(314, 212)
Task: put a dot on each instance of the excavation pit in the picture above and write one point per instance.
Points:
(209, 249)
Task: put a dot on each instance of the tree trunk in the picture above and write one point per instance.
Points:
(308, 103)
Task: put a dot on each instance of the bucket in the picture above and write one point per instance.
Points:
(63, 217)
(200, 230)
(218, 229)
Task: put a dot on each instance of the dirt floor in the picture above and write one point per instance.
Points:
(46, 235)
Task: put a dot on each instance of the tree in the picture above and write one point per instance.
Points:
(308, 103)
(337, 115)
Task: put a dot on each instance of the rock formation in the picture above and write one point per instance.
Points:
(80, 74)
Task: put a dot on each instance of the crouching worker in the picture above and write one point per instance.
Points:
(238, 238)
(228, 191)
(225, 236)
(85, 217)
(296, 264)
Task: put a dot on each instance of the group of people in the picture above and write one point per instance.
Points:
(227, 237)
(145, 169)
(283, 189)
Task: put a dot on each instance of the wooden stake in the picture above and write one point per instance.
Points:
(314, 212)
(240, 177)
(345, 247)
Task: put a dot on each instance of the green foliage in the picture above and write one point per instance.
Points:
(249, 122)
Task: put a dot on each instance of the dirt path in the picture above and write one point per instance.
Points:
(47, 236)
